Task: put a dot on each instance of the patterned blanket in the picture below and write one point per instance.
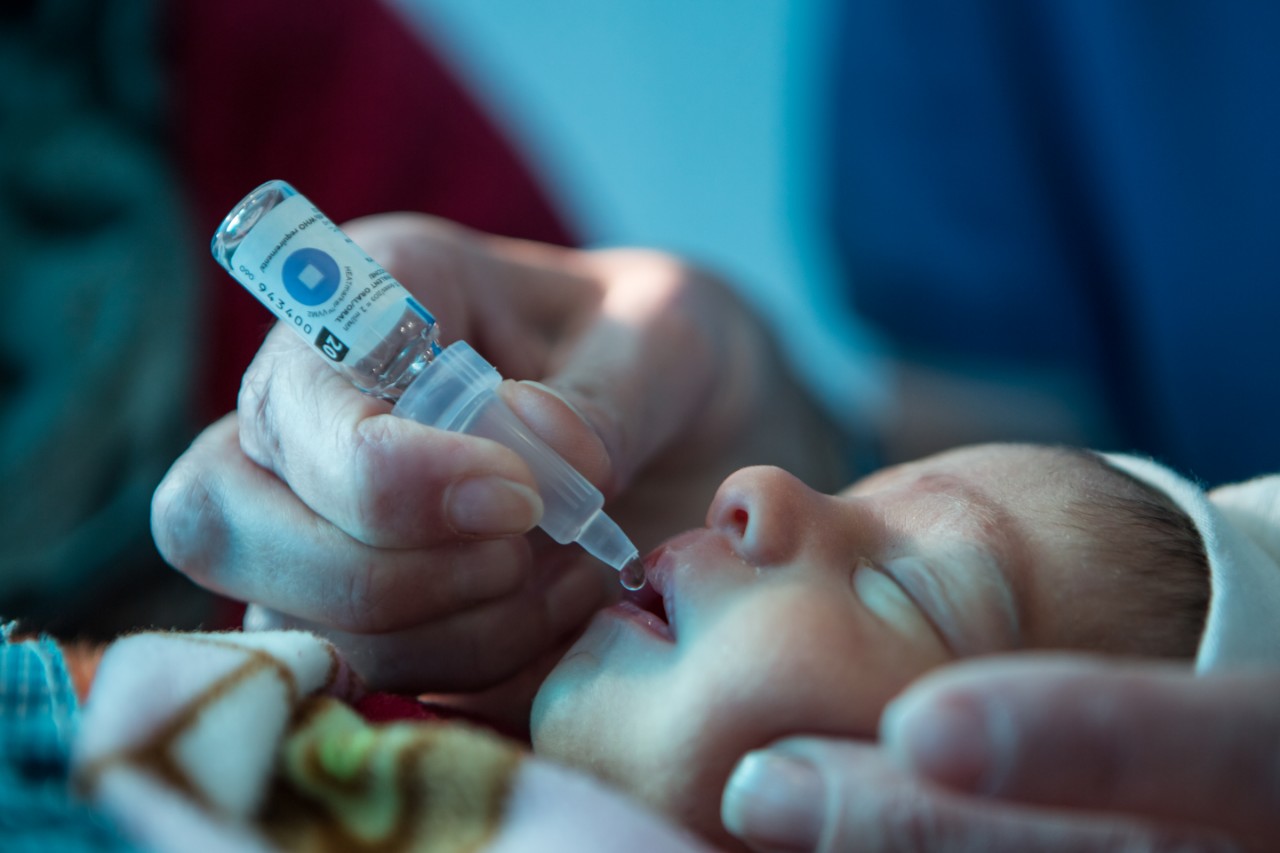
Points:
(251, 742)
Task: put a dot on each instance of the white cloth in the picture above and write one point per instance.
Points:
(1240, 527)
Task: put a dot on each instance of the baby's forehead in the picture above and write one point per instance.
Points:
(1004, 467)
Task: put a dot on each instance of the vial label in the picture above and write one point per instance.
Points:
(311, 275)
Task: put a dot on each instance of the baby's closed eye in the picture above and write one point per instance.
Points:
(889, 592)
(881, 593)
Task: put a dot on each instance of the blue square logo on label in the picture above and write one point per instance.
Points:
(310, 276)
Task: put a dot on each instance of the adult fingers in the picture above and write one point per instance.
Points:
(235, 528)
(469, 650)
(382, 480)
(1142, 739)
(634, 350)
(397, 485)
(663, 360)
(515, 301)
(641, 348)
(504, 295)
(829, 795)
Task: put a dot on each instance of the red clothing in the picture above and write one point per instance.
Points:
(344, 101)
(392, 707)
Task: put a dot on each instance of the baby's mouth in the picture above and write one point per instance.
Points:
(655, 606)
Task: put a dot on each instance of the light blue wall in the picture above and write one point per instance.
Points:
(687, 126)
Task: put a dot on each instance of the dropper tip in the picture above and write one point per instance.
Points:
(632, 574)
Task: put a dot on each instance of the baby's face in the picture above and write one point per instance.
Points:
(794, 611)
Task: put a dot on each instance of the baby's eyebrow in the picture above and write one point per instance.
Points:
(879, 477)
(1001, 532)
(875, 477)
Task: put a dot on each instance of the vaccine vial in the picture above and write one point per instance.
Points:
(350, 310)
(312, 276)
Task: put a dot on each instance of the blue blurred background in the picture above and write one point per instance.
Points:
(965, 222)
(699, 128)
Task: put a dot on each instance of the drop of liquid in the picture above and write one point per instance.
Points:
(632, 574)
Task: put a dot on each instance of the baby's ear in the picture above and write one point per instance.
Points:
(1253, 508)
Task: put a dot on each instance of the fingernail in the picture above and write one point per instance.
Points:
(953, 739)
(774, 802)
(492, 506)
(533, 383)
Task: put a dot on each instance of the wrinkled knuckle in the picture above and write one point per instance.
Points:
(909, 823)
(187, 522)
(366, 595)
(371, 503)
(259, 437)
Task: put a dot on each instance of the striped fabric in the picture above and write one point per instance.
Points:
(38, 718)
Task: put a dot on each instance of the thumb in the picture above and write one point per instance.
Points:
(565, 429)
(816, 794)
(657, 364)
(1148, 740)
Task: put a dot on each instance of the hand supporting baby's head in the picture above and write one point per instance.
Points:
(798, 612)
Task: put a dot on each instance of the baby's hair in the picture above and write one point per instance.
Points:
(1140, 532)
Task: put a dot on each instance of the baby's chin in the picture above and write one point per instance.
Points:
(667, 790)
(572, 722)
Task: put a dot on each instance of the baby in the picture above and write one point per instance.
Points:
(798, 612)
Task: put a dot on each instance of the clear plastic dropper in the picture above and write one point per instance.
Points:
(316, 280)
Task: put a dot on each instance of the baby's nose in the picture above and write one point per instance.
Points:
(765, 513)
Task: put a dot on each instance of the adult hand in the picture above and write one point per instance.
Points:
(1038, 753)
(401, 542)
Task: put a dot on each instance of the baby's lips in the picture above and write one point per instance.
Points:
(648, 597)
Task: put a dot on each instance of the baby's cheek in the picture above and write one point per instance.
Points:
(751, 690)
(817, 670)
